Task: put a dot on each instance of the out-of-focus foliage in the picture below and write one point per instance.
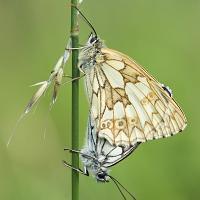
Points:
(161, 35)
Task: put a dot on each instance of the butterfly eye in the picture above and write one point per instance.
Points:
(93, 39)
(101, 175)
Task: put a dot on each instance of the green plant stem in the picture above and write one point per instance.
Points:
(75, 100)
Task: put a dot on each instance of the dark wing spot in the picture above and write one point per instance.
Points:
(167, 89)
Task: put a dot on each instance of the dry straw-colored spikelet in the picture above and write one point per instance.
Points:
(55, 78)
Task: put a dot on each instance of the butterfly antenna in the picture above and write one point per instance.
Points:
(86, 20)
(117, 183)
(118, 187)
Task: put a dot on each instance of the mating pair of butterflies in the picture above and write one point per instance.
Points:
(127, 107)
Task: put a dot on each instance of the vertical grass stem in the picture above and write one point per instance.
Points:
(75, 100)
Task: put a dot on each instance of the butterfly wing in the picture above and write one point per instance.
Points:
(128, 104)
(108, 154)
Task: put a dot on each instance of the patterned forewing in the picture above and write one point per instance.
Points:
(128, 104)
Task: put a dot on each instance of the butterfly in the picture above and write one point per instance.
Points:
(127, 103)
(98, 156)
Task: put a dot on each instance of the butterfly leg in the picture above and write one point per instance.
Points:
(84, 172)
(79, 77)
(72, 79)
(78, 152)
(72, 150)
(75, 48)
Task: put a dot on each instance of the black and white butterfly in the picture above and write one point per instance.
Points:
(98, 156)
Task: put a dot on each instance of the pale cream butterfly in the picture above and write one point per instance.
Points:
(127, 103)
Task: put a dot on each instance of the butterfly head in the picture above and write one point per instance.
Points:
(89, 55)
(94, 42)
(92, 39)
(100, 173)
(95, 164)
(102, 176)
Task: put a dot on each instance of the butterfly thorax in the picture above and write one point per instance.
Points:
(90, 55)
(95, 164)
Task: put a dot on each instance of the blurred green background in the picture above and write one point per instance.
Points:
(163, 36)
